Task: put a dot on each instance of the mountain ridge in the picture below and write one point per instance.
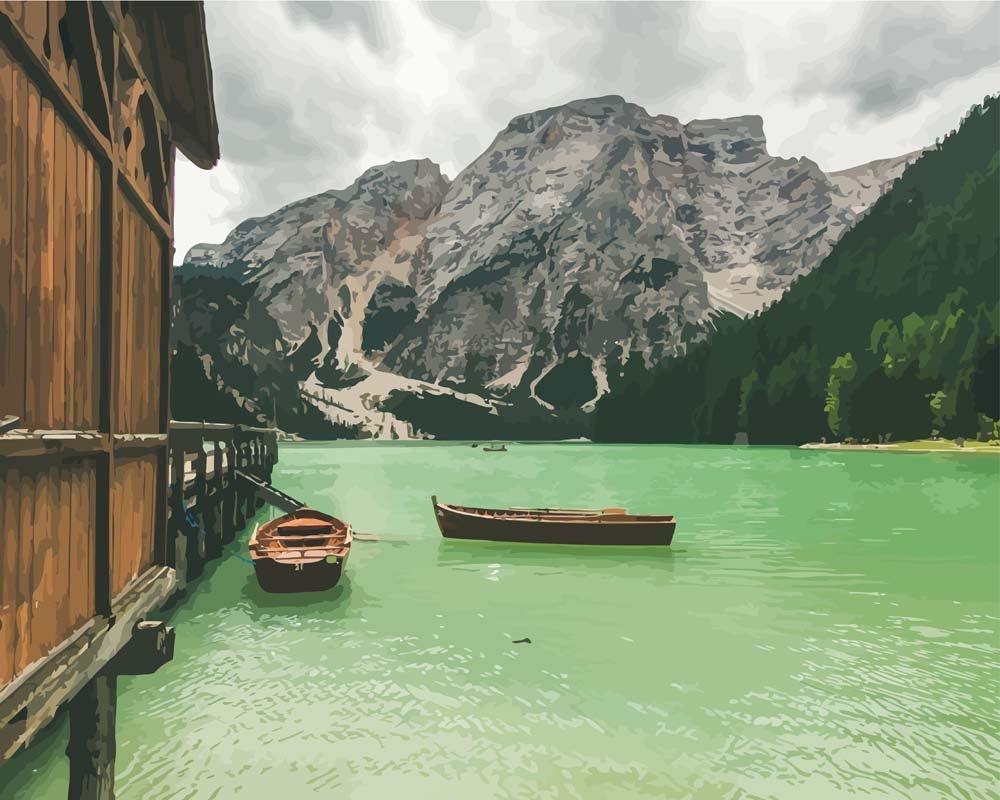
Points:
(583, 232)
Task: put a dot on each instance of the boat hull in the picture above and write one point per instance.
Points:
(618, 529)
(286, 578)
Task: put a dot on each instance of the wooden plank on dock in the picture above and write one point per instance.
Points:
(272, 495)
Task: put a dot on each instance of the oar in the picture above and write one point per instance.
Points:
(380, 537)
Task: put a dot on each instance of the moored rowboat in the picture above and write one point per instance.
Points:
(610, 526)
(304, 551)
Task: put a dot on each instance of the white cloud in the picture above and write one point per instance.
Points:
(310, 96)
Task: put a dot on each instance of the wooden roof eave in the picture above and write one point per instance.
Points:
(199, 140)
(171, 45)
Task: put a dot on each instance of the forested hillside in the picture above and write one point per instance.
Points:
(227, 364)
(894, 334)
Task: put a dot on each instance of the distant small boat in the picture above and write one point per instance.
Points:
(495, 448)
(609, 526)
(304, 551)
(475, 444)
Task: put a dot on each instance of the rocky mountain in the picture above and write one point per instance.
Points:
(583, 233)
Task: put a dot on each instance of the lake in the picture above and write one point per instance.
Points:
(824, 625)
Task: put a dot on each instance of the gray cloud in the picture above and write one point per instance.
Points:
(458, 15)
(649, 53)
(341, 16)
(903, 52)
(310, 94)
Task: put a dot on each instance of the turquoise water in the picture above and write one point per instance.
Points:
(824, 626)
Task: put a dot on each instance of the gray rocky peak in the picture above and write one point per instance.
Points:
(582, 233)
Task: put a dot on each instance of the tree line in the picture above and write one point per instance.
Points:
(895, 334)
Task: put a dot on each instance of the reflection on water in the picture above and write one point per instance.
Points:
(826, 625)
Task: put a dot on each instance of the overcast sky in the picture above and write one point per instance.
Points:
(310, 94)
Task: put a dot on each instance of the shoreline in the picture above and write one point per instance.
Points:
(918, 446)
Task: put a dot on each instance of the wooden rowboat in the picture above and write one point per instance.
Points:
(304, 551)
(612, 526)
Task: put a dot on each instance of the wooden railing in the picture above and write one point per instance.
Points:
(206, 504)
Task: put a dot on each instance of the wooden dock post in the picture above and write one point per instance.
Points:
(229, 500)
(208, 508)
(176, 541)
(91, 748)
(225, 523)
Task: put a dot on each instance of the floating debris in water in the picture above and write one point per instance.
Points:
(525, 640)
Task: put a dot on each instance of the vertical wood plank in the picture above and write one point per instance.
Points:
(16, 343)
(25, 561)
(124, 345)
(35, 222)
(128, 312)
(150, 332)
(72, 374)
(116, 522)
(153, 490)
(9, 526)
(77, 545)
(127, 511)
(8, 305)
(81, 345)
(141, 301)
(91, 485)
(98, 369)
(44, 360)
(128, 303)
(117, 282)
(160, 345)
(59, 536)
(44, 611)
(57, 239)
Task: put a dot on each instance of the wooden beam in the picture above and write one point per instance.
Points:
(138, 442)
(249, 429)
(144, 206)
(92, 745)
(32, 444)
(176, 425)
(33, 698)
(151, 646)
(99, 60)
(275, 497)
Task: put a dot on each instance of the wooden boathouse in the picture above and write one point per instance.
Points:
(95, 100)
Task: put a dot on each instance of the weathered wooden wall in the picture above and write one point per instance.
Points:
(49, 367)
(87, 155)
(85, 231)
(50, 221)
(47, 516)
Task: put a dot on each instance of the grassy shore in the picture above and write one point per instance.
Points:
(916, 446)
